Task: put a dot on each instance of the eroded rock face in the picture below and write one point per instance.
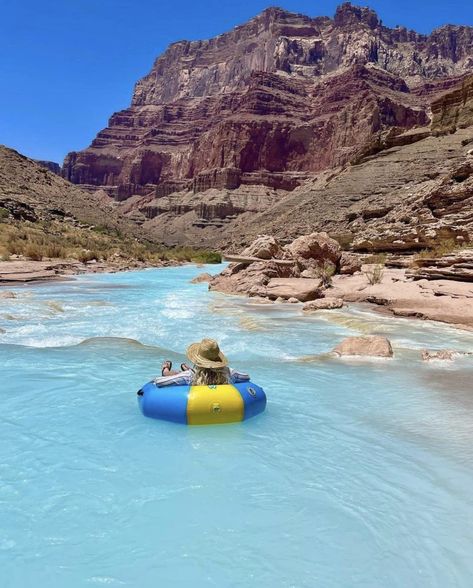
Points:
(281, 95)
(269, 279)
(245, 279)
(372, 346)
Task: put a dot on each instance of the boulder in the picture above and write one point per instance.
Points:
(371, 346)
(315, 250)
(442, 354)
(300, 288)
(349, 263)
(205, 277)
(328, 303)
(264, 247)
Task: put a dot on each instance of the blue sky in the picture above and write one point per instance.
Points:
(67, 65)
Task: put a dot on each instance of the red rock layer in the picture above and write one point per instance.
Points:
(280, 95)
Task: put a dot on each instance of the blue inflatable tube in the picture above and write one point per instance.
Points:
(202, 405)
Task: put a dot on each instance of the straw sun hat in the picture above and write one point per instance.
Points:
(206, 354)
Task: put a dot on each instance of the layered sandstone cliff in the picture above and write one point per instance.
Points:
(270, 102)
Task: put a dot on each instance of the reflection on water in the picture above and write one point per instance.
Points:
(359, 474)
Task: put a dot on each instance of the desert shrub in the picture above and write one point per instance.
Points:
(439, 249)
(325, 273)
(4, 214)
(33, 251)
(15, 247)
(85, 256)
(374, 275)
(5, 256)
(55, 250)
(445, 246)
(205, 256)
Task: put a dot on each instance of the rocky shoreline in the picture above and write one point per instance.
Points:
(16, 272)
(324, 277)
(312, 270)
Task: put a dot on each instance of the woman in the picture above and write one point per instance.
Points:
(210, 368)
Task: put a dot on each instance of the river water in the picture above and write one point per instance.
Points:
(359, 473)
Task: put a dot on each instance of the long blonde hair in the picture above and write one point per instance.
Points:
(209, 376)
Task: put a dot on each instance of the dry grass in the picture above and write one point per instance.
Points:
(439, 249)
(375, 274)
(378, 258)
(54, 239)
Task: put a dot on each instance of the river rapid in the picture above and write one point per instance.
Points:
(358, 475)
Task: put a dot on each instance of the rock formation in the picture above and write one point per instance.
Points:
(233, 124)
(373, 346)
(270, 270)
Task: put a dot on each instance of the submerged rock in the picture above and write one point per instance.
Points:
(371, 346)
(442, 354)
(327, 303)
(205, 277)
(8, 294)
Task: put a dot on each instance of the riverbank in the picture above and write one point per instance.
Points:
(314, 270)
(26, 271)
(445, 301)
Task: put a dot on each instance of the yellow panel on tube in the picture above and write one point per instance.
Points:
(210, 405)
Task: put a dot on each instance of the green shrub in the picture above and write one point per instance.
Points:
(4, 214)
(207, 257)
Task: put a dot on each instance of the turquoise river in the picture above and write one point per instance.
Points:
(358, 475)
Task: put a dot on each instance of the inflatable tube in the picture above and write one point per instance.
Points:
(202, 405)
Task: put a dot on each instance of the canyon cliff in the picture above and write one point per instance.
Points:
(254, 118)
